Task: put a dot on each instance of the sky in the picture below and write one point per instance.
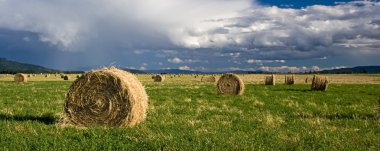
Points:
(202, 35)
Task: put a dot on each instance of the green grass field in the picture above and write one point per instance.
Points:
(191, 116)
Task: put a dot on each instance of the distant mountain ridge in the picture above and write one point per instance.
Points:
(8, 66)
(359, 69)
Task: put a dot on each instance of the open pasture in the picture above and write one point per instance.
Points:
(187, 114)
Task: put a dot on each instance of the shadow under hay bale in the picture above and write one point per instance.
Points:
(270, 80)
(208, 79)
(19, 77)
(289, 80)
(230, 84)
(107, 97)
(158, 78)
(319, 83)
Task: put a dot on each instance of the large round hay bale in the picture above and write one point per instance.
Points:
(270, 80)
(208, 79)
(289, 80)
(158, 78)
(66, 77)
(319, 83)
(19, 77)
(230, 84)
(106, 97)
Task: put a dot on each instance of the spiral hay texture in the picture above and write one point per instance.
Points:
(289, 80)
(107, 97)
(158, 78)
(19, 77)
(319, 83)
(230, 84)
(208, 79)
(270, 80)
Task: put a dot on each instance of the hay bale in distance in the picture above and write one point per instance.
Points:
(158, 78)
(46, 75)
(208, 79)
(230, 84)
(307, 80)
(107, 97)
(319, 83)
(66, 77)
(289, 80)
(270, 80)
(19, 77)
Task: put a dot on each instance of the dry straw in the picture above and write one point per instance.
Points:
(19, 77)
(270, 80)
(108, 97)
(230, 84)
(289, 80)
(319, 83)
(208, 79)
(158, 78)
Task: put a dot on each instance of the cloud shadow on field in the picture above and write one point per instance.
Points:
(47, 119)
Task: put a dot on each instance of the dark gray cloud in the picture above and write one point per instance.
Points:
(191, 34)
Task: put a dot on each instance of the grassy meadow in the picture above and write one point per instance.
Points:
(186, 114)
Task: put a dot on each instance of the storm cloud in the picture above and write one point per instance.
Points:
(200, 34)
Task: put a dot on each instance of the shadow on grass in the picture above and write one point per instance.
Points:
(47, 119)
(337, 116)
(294, 90)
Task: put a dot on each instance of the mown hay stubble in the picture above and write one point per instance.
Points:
(208, 79)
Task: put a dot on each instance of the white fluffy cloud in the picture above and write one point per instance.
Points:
(175, 60)
(133, 24)
(313, 32)
(184, 68)
(284, 69)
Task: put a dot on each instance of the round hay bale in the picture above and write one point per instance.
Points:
(65, 77)
(106, 97)
(319, 83)
(19, 77)
(208, 79)
(270, 80)
(230, 84)
(158, 78)
(289, 80)
(46, 75)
